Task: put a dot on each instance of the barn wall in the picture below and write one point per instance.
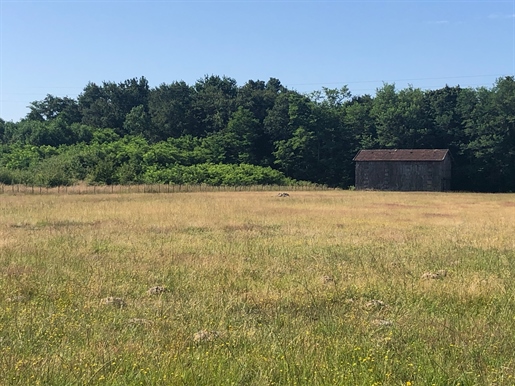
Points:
(403, 176)
(446, 173)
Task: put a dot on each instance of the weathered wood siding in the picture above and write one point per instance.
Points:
(404, 175)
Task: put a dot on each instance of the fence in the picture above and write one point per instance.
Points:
(153, 188)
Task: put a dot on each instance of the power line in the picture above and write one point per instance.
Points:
(304, 84)
(400, 80)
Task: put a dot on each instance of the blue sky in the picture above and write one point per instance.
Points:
(57, 47)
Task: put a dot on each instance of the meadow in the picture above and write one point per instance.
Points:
(247, 288)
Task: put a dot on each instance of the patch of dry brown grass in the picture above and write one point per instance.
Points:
(292, 284)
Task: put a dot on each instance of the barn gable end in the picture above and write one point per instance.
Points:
(403, 169)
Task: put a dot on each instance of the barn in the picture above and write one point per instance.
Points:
(403, 169)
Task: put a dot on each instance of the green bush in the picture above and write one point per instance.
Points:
(216, 175)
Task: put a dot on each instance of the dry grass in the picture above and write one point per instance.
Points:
(318, 288)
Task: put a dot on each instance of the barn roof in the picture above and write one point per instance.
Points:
(402, 155)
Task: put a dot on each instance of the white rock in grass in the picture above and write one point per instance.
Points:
(382, 322)
(435, 275)
(139, 321)
(157, 290)
(205, 336)
(375, 304)
(113, 301)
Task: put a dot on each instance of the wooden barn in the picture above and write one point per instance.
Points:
(403, 169)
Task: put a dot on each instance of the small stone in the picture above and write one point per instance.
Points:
(205, 336)
(434, 275)
(113, 301)
(157, 290)
(375, 304)
(382, 322)
(139, 321)
(326, 279)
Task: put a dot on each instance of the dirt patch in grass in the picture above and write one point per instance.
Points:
(249, 227)
(439, 215)
(16, 270)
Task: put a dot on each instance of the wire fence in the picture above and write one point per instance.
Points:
(150, 188)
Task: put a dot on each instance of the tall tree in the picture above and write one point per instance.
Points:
(52, 107)
(3, 138)
(171, 111)
(445, 117)
(106, 106)
(240, 137)
(358, 118)
(489, 120)
(137, 122)
(259, 98)
(400, 118)
(296, 156)
(213, 103)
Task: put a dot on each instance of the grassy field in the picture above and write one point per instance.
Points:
(321, 288)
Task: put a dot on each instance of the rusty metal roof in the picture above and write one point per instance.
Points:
(402, 155)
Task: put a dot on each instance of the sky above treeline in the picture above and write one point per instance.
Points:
(57, 47)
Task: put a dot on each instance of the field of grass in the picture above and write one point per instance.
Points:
(321, 288)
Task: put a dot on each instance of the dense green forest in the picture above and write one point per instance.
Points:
(219, 133)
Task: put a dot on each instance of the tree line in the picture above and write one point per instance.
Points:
(217, 132)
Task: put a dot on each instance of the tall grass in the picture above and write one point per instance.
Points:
(82, 188)
(320, 288)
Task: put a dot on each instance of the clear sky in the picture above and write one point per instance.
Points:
(57, 47)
